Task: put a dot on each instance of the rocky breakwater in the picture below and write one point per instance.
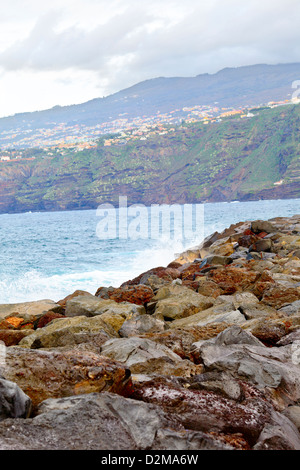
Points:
(201, 354)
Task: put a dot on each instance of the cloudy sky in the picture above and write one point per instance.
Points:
(62, 52)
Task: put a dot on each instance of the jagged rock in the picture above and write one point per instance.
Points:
(279, 296)
(233, 279)
(180, 302)
(212, 412)
(14, 403)
(138, 295)
(208, 288)
(293, 413)
(240, 355)
(69, 332)
(180, 340)
(143, 356)
(30, 308)
(13, 337)
(77, 293)
(258, 226)
(139, 324)
(43, 374)
(291, 309)
(113, 313)
(102, 421)
(47, 318)
(261, 245)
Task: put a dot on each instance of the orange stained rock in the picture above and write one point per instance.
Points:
(14, 321)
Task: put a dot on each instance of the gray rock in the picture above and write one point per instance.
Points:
(281, 434)
(235, 351)
(291, 309)
(144, 356)
(28, 308)
(14, 403)
(293, 414)
(103, 421)
(258, 226)
(140, 324)
(92, 305)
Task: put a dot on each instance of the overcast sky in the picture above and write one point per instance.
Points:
(69, 51)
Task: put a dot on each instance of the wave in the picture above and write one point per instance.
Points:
(34, 285)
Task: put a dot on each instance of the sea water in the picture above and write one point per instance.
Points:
(48, 255)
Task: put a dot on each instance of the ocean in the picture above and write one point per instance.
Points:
(49, 255)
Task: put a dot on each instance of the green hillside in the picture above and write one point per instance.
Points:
(236, 159)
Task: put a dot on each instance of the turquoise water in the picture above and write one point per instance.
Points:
(49, 255)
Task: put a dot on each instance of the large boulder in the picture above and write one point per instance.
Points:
(103, 421)
(28, 308)
(90, 305)
(70, 332)
(242, 355)
(43, 374)
(138, 295)
(144, 356)
(179, 302)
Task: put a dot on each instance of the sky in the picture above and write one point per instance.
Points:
(71, 51)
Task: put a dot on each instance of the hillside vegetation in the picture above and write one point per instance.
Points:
(236, 159)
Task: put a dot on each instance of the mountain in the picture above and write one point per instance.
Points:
(256, 157)
(241, 86)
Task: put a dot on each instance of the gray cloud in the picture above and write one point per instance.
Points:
(141, 41)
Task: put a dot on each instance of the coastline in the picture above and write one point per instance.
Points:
(201, 354)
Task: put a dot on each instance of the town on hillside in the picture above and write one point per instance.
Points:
(63, 137)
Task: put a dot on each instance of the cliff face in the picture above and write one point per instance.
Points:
(236, 159)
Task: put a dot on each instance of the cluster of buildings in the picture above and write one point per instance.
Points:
(120, 131)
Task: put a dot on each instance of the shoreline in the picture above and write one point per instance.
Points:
(201, 354)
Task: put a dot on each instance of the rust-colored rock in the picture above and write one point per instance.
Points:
(12, 337)
(167, 274)
(233, 279)
(139, 294)
(43, 374)
(63, 302)
(47, 318)
(277, 296)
